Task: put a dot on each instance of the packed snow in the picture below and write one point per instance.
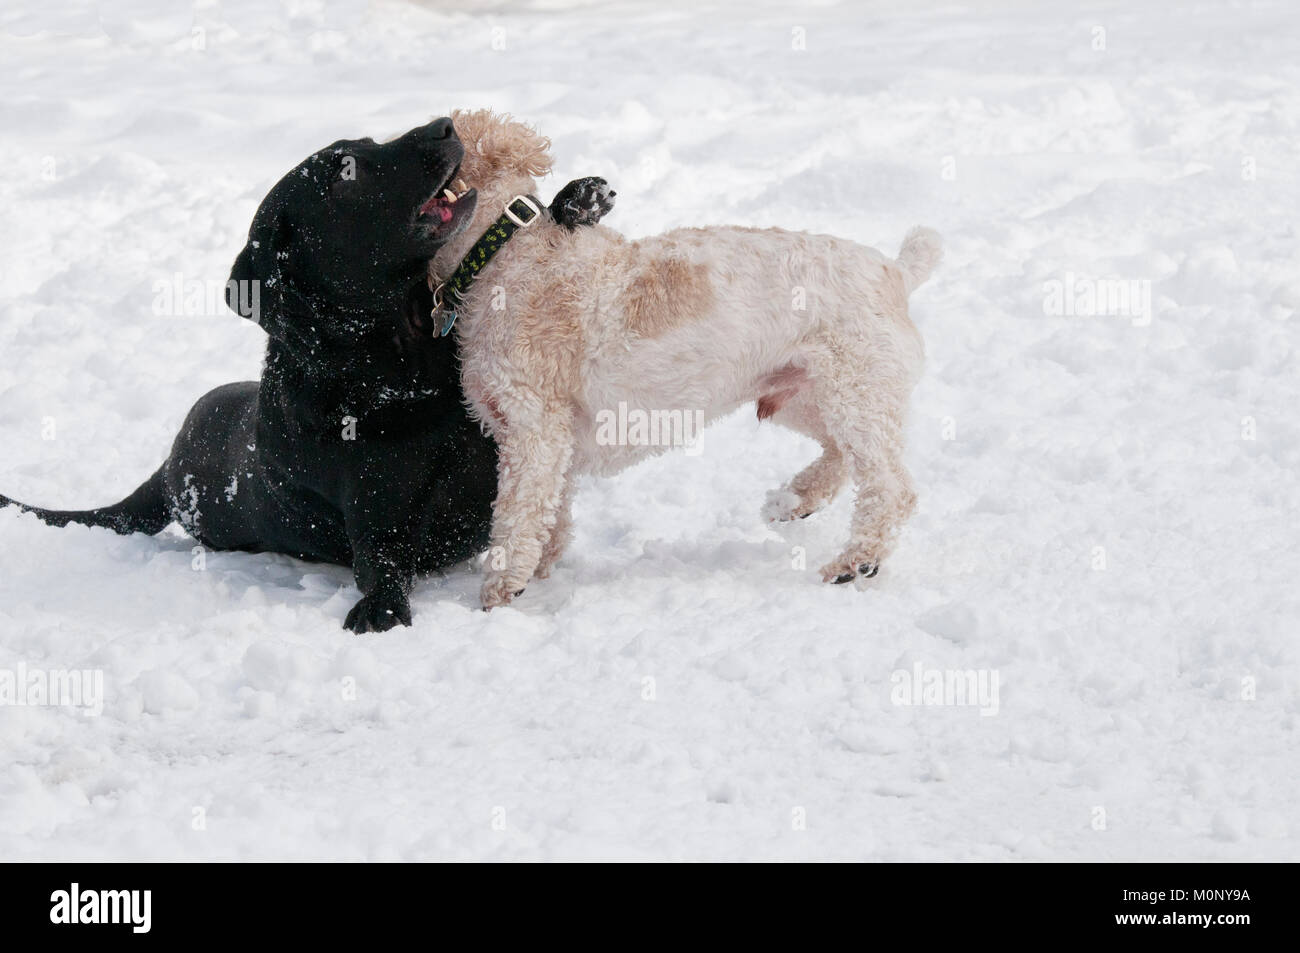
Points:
(1105, 443)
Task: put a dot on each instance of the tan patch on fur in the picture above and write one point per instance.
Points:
(667, 293)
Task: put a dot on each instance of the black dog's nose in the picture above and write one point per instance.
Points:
(440, 129)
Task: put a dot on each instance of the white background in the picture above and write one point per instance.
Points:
(131, 156)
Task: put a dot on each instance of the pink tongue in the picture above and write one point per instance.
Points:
(436, 204)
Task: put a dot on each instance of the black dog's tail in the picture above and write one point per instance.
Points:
(144, 511)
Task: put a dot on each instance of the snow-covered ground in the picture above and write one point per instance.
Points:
(1107, 517)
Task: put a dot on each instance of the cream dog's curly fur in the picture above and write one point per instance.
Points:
(562, 325)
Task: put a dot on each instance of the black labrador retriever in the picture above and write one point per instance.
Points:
(355, 448)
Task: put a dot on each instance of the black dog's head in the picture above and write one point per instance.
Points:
(339, 241)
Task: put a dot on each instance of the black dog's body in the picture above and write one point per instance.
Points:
(355, 447)
(379, 469)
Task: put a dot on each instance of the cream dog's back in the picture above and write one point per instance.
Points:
(693, 319)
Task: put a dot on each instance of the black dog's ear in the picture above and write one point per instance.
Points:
(255, 274)
(257, 290)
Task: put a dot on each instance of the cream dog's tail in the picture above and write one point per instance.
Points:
(922, 249)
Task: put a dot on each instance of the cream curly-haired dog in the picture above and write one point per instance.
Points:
(561, 327)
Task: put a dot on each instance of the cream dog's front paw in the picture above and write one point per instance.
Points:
(499, 589)
(786, 504)
(849, 566)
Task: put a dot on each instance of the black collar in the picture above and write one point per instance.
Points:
(521, 212)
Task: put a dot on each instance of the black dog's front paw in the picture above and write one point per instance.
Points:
(583, 202)
(379, 612)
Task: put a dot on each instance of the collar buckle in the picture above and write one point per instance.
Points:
(529, 204)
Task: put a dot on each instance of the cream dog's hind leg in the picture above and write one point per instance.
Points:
(865, 417)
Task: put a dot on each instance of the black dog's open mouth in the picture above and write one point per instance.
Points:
(445, 212)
